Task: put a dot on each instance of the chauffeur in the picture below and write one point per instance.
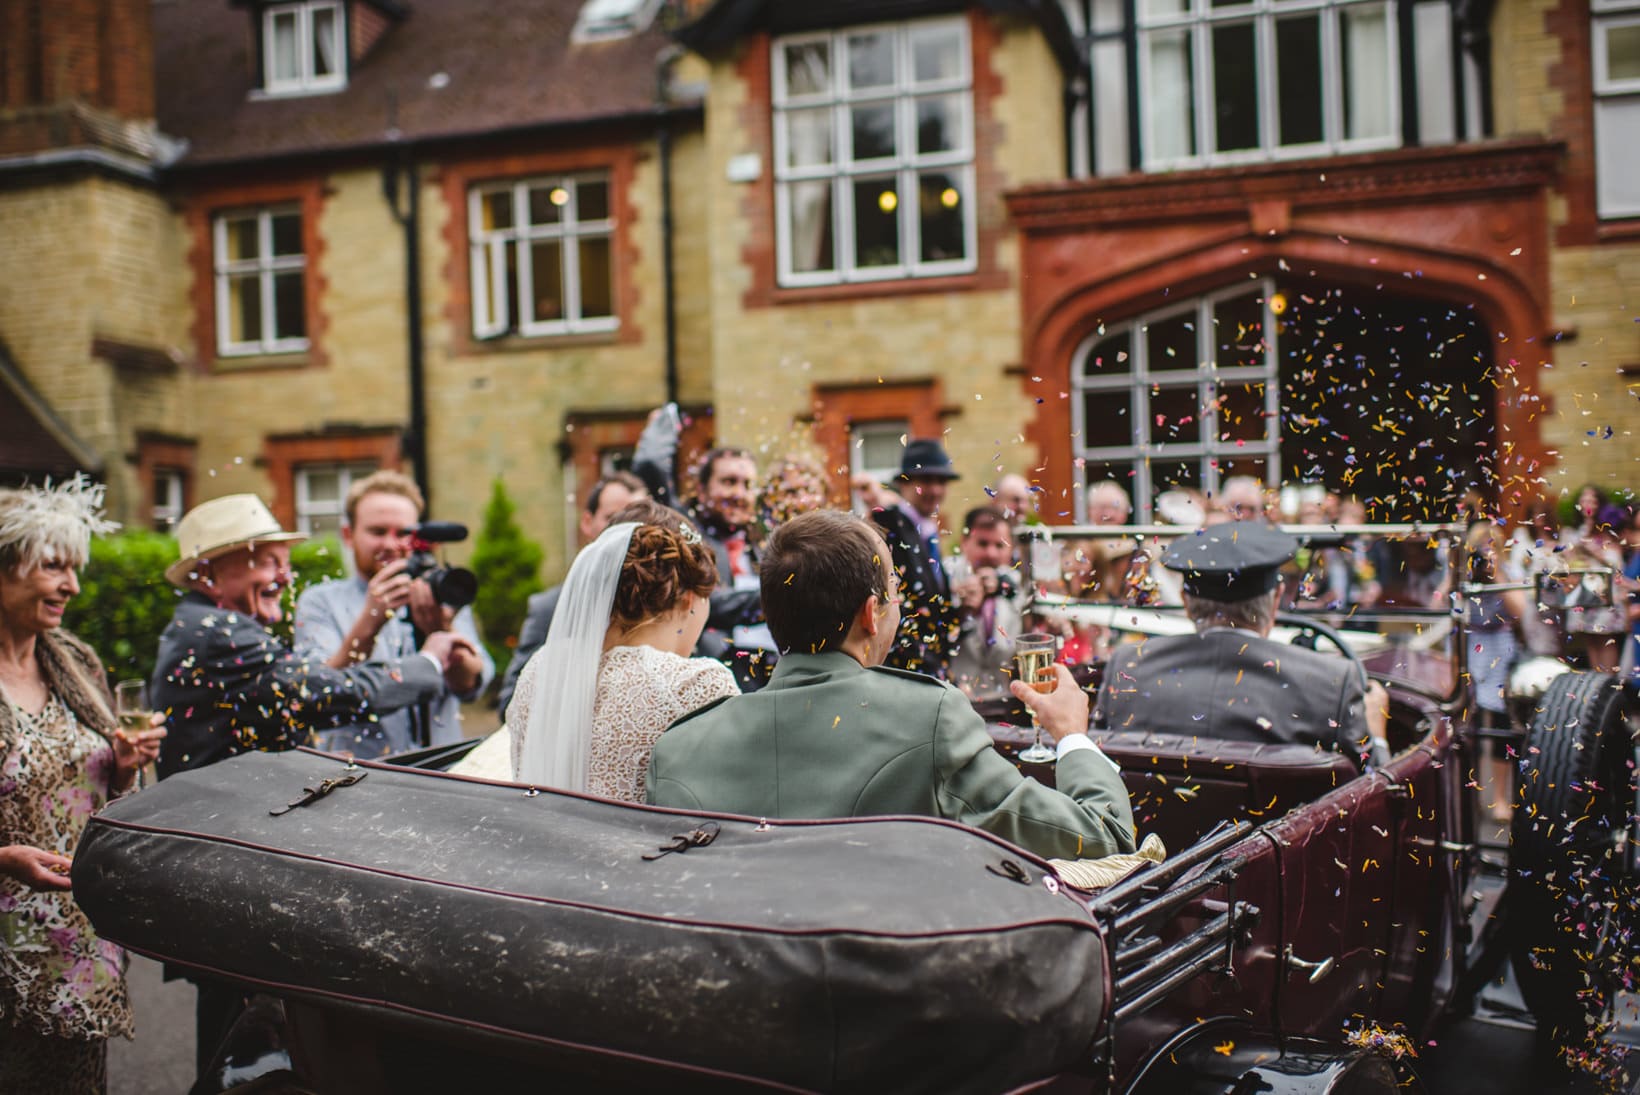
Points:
(1229, 680)
(837, 734)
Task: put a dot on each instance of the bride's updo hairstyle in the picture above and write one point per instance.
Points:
(667, 558)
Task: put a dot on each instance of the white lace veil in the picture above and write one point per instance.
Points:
(558, 736)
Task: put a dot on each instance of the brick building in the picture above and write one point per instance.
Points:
(250, 245)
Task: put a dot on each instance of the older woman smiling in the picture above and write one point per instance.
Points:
(62, 990)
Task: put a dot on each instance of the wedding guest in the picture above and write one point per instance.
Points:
(62, 757)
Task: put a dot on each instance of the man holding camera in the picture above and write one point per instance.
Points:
(986, 588)
(376, 615)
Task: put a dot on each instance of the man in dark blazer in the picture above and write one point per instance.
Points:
(836, 734)
(909, 522)
(1229, 680)
(229, 685)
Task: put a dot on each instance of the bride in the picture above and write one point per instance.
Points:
(615, 670)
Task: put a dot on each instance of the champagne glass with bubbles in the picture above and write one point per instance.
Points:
(1034, 654)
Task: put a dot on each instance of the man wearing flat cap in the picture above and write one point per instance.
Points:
(229, 685)
(909, 521)
(1230, 680)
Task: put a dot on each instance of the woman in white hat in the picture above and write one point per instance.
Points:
(62, 756)
(230, 685)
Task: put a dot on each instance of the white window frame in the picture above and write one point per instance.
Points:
(897, 428)
(905, 167)
(168, 510)
(306, 82)
(487, 251)
(1142, 451)
(307, 508)
(265, 266)
(1198, 21)
(1611, 96)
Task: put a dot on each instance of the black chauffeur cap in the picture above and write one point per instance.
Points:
(1231, 562)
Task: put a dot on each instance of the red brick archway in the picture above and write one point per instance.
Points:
(1451, 226)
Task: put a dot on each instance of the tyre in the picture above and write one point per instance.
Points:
(1572, 889)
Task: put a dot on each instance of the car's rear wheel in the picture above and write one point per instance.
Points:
(1572, 885)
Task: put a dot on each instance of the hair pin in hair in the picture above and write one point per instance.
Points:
(691, 535)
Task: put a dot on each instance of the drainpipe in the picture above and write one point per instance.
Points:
(403, 168)
(663, 140)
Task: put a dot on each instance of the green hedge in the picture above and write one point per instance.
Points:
(125, 601)
(508, 565)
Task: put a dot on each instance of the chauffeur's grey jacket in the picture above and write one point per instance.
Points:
(828, 737)
(1233, 685)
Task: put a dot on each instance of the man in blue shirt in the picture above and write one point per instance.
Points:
(373, 616)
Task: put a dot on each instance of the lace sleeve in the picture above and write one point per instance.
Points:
(704, 680)
(518, 711)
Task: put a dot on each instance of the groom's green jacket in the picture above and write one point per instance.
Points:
(827, 737)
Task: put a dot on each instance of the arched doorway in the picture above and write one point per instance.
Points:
(1355, 389)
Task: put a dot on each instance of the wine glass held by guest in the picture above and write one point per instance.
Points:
(62, 756)
(615, 669)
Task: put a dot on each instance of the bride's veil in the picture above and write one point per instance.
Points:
(558, 736)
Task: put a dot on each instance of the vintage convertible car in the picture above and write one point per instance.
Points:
(410, 930)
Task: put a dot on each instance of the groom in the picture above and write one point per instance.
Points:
(835, 734)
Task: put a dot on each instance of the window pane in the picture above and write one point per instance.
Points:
(941, 201)
(1110, 357)
(939, 124)
(1241, 412)
(1171, 97)
(1623, 52)
(808, 68)
(1153, 8)
(873, 131)
(592, 200)
(1238, 334)
(936, 53)
(597, 280)
(1175, 416)
(1235, 88)
(511, 287)
(289, 310)
(1617, 156)
(1107, 418)
(809, 210)
(876, 222)
(1368, 103)
(287, 233)
(484, 286)
(245, 308)
(1170, 344)
(242, 240)
(326, 39)
(870, 60)
(547, 271)
(808, 137)
(496, 209)
(1167, 474)
(323, 484)
(283, 65)
(1298, 76)
(546, 203)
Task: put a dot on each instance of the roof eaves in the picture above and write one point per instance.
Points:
(436, 140)
(42, 412)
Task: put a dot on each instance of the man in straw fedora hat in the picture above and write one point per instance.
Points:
(229, 684)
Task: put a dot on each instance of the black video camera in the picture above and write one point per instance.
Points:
(453, 587)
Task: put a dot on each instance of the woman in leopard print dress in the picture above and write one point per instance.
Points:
(62, 990)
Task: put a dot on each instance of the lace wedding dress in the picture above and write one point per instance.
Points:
(641, 691)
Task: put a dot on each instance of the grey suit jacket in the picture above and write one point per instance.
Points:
(829, 738)
(531, 637)
(228, 685)
(1233, 685)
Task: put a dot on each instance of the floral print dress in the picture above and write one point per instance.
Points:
(56, 977)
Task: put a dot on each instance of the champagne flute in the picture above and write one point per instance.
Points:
(131, 708)
(1034, 654)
